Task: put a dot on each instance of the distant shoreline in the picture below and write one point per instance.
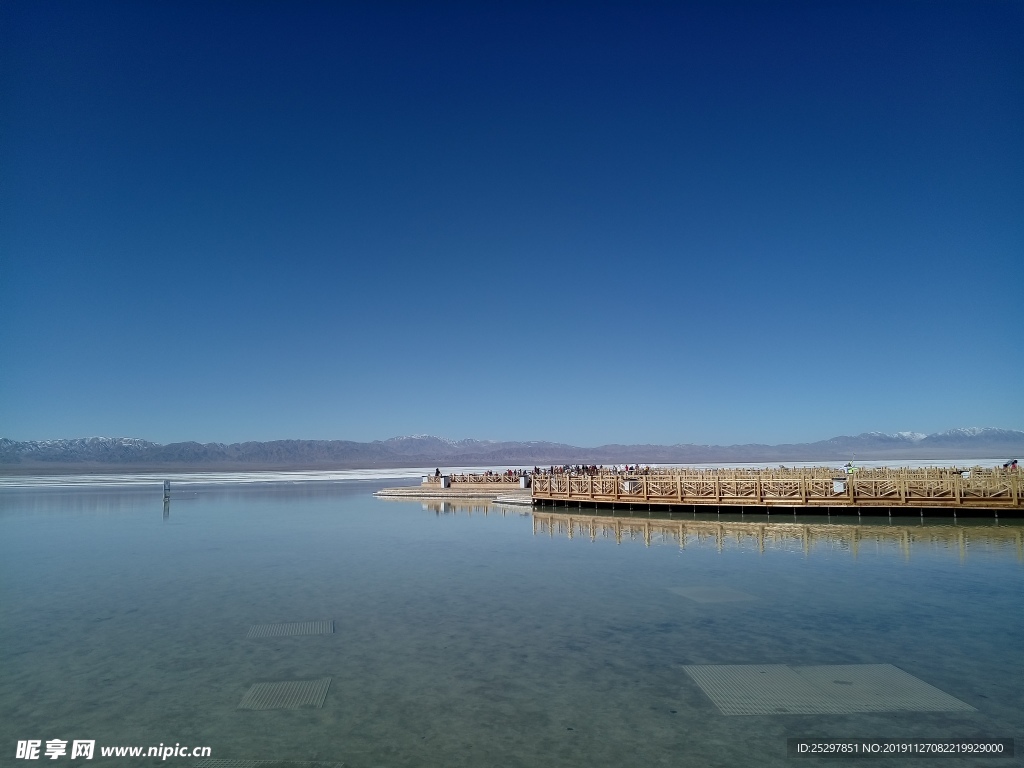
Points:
(53, 469)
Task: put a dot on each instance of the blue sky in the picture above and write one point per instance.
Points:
(590, 223)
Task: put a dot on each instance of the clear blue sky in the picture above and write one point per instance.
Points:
(584, 222)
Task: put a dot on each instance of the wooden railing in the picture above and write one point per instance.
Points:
(800, 472)
(933, 487)
(475, 479)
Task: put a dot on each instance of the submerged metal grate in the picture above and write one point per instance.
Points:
(292, 628)
(290, 694)
(881, 688)
(215, 763)
(760, 690)
(776, 689)
(711, 594)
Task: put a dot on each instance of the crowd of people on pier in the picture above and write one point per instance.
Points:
(487, 476)
(592, 470)
(575, 470)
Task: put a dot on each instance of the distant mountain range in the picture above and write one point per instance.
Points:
(98, 453)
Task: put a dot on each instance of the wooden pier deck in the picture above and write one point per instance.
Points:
(977, 489)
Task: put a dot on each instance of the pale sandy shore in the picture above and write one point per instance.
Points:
(461, 491)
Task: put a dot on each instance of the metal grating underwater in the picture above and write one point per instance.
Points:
(289, 694)
(776, 689)
(292, 628)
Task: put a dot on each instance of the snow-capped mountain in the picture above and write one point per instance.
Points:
(912, 436)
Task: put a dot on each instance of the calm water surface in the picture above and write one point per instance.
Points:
(467, 635)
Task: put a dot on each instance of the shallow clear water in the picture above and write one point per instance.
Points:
(468, 635)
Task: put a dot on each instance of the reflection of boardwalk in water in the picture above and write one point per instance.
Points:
(475, 508)
(808, 535)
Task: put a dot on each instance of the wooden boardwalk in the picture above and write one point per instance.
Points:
(995, 490)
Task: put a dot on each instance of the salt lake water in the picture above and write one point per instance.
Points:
(468, 634)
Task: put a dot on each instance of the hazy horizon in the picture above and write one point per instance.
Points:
(97, 481)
